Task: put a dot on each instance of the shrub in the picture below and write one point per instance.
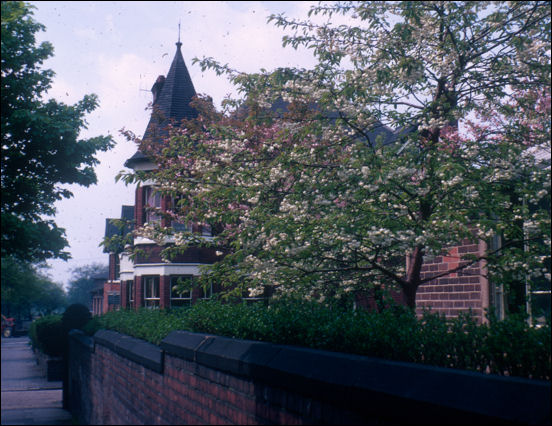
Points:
(509, 347)
(92, 326)
(47, 335)
(75, 316)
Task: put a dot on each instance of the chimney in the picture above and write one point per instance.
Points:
(157, 87)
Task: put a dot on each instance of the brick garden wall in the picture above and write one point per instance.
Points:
(200, 379)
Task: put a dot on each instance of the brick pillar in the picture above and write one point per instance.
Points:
(195, 294)
(105, 304)
(165, 205)
(139, 206)
(112, 260)
(138, 292)
(124, 294)
(164, 291)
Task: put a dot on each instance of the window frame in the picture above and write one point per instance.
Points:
(180, 299)
(154, 300)
(153, 201)
(202, 294)
(130, 292)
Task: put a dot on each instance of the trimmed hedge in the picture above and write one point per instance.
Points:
(510, 347)
(47, 335)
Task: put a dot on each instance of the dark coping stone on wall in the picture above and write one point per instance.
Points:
(139, 351)
(239, 357)
(425, 393)
(184, 344)
(359, 383)
(83, 339)
(473, 396)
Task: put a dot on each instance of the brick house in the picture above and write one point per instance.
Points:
(148, 281)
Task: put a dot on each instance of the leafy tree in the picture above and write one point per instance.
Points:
(26, 291)
(40, 145)
(84, 279)
(313, 198)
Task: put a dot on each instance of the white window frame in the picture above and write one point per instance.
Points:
(153, 200)
(185, 299)
(153, 299)
(130, 292)
(204, 296)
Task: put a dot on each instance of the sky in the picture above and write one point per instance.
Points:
(116, 50)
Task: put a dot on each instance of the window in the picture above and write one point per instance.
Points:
(151, 291)
(153, 203)
(117, 267)
(177, 209)
(206, 293)
(206, 230)
(181, 290)
(130, 292)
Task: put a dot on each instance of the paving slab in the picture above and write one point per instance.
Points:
(27, 397)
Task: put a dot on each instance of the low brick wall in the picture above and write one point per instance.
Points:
(202, 379)
(51, 367)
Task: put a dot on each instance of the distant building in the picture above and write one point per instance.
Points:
(96, 304)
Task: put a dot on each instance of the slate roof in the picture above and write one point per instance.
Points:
(388, 135)
(127, 212)
(110, 228)
(172, 96)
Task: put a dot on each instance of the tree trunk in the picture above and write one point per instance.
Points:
(410, 296)
(413, 276)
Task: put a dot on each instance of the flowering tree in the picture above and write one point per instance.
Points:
(311, 191)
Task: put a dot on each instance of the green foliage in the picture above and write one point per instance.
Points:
(26, 291)
(315, 199)
(509, 347)
(151, 325)
(47, 335)
(83, 282)
(40, 145)
(75, 316)
(93, 325)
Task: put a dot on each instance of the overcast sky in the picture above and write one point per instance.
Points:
(117, 50)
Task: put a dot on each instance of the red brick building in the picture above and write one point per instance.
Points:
(149, 281)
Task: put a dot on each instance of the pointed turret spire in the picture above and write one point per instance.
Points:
(171, 100)
(177, 91)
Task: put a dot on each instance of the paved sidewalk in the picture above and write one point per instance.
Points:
(27, 397)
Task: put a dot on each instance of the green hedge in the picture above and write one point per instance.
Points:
(47, 335)
(510, 347)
